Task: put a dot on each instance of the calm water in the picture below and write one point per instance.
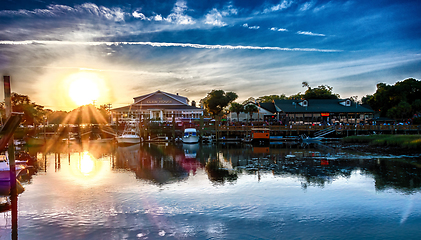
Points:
(217, 192)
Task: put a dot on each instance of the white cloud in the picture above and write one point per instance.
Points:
(214, 17)
(178, 15)
(229, 10)
(280, 6)
(140, 15)
(250, 27)
(278, 29)
(115, 14)
(306, 6)
(157, 17)
(161, 44)
(310, 34)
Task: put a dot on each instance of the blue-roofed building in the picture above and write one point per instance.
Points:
(310, 111)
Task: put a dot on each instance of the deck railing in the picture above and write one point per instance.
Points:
(337, 128)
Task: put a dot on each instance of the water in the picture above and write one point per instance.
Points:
(217, 192)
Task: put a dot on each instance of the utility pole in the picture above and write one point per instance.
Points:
(109, 112)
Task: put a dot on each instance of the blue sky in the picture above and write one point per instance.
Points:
(253, 48)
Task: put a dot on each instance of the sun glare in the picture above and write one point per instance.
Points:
(84, 90)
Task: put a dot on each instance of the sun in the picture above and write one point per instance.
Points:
(84, 88)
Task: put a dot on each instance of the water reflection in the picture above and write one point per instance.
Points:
(160, 164)
(315, 165)
(176, 190)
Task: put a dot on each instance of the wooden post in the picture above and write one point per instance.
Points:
(11, 149)
(173, 127)
(11, 152)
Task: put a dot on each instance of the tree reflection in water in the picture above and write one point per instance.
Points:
(217, 174)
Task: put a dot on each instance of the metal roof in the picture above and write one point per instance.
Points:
(320, 105)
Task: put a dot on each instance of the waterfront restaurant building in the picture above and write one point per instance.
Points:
(311, 111)
(158, 106)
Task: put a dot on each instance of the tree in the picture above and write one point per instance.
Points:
(387, 97)
(217, 100)
(237, 108)
(250, 109)
(271, 98)
(249, 100)
(320, 92)
(32, 113)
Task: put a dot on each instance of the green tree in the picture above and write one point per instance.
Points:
(249, 100)
(387, 97)
(250, 109)
(217, 100)
(320, 92)
(401, 111)
(32, 113)
(237, 108)
(271, 98)
(416, 106)
(297, 96)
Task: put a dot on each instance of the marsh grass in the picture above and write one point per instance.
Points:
(403, 141)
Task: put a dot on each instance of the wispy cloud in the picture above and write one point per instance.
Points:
(161, 44)
(306, 6)
(250, 27)
(311, 33)
(278, 29)
(115, 14)
(278, 7)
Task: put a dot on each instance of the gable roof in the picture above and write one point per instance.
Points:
(177, 98)
(270, 107)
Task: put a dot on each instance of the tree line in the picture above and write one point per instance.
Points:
(400, 101)
(35, 114)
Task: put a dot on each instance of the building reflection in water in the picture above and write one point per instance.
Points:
(159, 164)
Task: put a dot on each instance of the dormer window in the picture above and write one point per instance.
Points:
(304, 103)
(346, 103)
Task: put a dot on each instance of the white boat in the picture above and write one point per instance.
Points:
(128, 137)
(5, 168)
(190, 136)
(130, 134)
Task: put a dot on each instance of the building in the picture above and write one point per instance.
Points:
(311, 111)
(158, 106)
(322, 111)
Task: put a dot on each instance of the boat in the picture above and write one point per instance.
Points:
(130, 135)
(208, 139)
(190, 136)
(260, 135)
(5, 168)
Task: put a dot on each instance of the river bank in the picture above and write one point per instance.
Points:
(386, 144)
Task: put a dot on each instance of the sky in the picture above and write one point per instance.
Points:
(110, 51)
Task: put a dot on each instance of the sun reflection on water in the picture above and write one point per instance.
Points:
(86, 164)
(85, 167)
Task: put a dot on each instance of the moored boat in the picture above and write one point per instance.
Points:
(260, 135)
(190, 136)
(5, 168)
(128, 137)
